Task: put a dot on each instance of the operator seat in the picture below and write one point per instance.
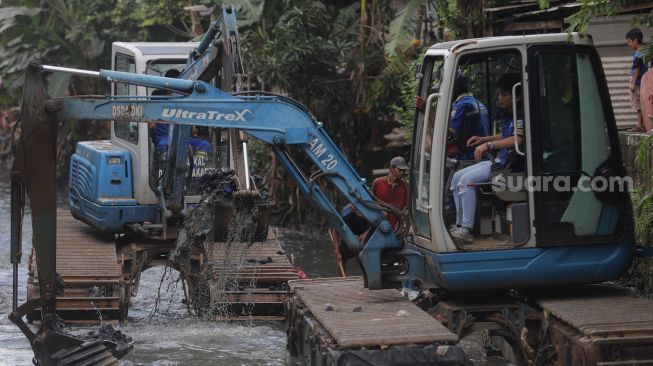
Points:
(502, 182)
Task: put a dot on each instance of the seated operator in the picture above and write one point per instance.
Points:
(161, 130)
(464, 180)
(469, 117)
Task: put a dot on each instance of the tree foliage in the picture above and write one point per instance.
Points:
(78, 33)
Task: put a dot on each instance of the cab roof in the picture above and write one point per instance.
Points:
(159, 48)
(479, 43)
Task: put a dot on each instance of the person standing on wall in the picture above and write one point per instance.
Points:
(634, 40)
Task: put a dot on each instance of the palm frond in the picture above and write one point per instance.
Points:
(402, 28)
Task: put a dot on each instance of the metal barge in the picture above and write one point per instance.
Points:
(100, 274)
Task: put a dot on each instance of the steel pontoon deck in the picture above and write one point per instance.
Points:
(336, 321)
(87, 263)
(100, 276)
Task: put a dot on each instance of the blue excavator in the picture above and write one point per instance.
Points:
(523, 237)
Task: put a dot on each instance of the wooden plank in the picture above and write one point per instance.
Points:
(265, 263)
(386, 317)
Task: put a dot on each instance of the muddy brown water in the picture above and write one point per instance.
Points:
(171, 337)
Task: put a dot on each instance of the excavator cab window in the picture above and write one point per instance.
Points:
(494, 220)
(422, 146)
(207, 146)
(127, 131)
(574, 148)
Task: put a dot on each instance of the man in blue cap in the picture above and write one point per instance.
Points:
(469, 117)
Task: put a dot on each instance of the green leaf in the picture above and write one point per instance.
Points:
(58, 83)
(10, 12)
(643, 201)
(402, 28)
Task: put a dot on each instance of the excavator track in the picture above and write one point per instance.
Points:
(87, 264)
(600, 325)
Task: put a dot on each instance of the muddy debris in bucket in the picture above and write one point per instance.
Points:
(221, 228)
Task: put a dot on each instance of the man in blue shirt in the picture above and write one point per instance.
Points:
(161, 134)
(464, 181)
(469, 117)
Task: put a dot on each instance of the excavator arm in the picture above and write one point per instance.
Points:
(216, 58)
(276, 120)
(34, 173)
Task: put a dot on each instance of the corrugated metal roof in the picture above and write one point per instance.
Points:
(616, 72)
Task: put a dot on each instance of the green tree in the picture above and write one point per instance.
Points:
(78, 33)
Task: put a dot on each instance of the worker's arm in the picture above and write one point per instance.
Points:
(477, 140)
(504, 143)
(457, 120)
(637, 68)
(420, 105)
(498, 141)
(634, 79)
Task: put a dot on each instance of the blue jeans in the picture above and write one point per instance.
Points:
(464, 191)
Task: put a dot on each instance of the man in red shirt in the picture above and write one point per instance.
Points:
(392, 189)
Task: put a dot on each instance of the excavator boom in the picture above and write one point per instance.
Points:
(34, 173)
(276, 120)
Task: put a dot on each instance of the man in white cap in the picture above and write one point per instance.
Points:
(392, 188)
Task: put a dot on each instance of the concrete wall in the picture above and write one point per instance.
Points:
(641, 173)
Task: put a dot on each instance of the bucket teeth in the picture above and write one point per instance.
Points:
(103, 347)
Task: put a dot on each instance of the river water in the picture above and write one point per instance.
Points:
(170, 336)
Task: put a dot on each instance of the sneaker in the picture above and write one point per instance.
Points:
(454, 227)
(464, 234)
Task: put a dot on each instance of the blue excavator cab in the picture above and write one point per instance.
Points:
(560, 212)
(114, 183)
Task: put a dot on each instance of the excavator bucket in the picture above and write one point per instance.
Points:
(253, 214)
(34, 172)
(239, 215)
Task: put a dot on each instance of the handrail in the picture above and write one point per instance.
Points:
(514, 117)
(421, 158)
